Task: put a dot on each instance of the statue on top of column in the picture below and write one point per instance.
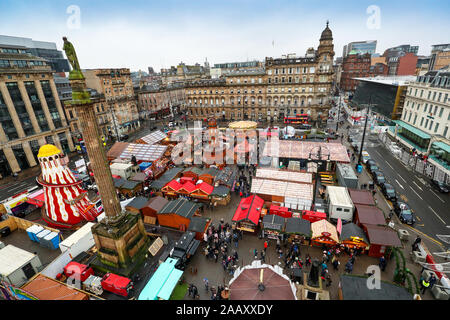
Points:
(71, 54)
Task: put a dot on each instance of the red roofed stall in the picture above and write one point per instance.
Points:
(202, 191)
(248, 213)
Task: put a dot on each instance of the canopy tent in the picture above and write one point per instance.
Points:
(162, 282)
(143, 152)
(284, 175)
(153, 137)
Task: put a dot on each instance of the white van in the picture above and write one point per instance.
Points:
(340, 204)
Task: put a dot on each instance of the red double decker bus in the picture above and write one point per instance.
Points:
(297, 119)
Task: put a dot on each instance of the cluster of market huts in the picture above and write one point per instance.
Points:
(168, 195)
(282, 205)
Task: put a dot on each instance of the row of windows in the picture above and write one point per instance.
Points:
(20, 63)
(432, 95)
(427, 108)
(297, 70)
(425, 123)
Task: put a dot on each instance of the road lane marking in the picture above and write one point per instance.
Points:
(437, 215)
(425, 235)
(417, 194)
(399, 184)
(437, 196)
(389, 165)
(402, 178)
(417, 186)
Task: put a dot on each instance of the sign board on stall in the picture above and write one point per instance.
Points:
(156, 246)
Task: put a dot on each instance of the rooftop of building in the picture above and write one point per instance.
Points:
(389, 80)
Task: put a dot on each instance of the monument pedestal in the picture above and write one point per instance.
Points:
(122, 244)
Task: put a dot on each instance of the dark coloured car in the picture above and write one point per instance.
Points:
(124, 137)
(404, 213)
(389, 192)
(440, 186)
(370, 162)
(372, 168)
(379, 178)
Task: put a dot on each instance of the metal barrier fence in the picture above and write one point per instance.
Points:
(415, 163)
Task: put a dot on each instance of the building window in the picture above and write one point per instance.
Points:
(445, 131)
(421, 122)
(436, 127)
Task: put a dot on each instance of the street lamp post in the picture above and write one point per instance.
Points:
(339, 112)
(319, 163)
(364, 132)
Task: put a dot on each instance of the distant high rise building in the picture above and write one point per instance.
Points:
(440, 56)
(401, 60)
(42, 49)
(360, 47)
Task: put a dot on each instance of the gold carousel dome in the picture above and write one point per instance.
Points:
(48, 150)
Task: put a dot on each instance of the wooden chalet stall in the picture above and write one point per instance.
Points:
(225, 177)
(136, 205)
(273, 226)
(199, 225)
(152, 207)
(381, 238)
(192, 172)
(170, 190)
(202, 192)
(298, 230)
(353, 237)
(363, 197)
(208, 175)
(368, 215)
(324, 234)
(248, 213)
(221, 196)
(130, 188)
(186, 188)
(177, 214)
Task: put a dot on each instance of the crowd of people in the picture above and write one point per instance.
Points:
(219, 243)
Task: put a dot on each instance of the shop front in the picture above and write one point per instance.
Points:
(353, 237)
(273, 226)
(298, 230)
(324, 234)
(248, 213)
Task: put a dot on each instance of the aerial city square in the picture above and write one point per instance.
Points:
(285, 150)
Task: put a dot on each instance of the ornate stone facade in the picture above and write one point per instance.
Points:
(284, 86)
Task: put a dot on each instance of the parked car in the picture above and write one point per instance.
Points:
(389, 192)
(370, 162)
(379, 178)
(124, 137)
(439, 185)
(372, 168)
(404, 213)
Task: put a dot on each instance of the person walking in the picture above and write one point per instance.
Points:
(415, 245)
(432, 280)
(349, 267)
(236, 239)
(328, 280)
(206, 282)
(255, 253)
(265, 245)
(263, 256)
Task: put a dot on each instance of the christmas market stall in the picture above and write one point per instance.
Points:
(193, 172)
(324, 234)
(368, 215)
(273, 226)
(363, 197)
(130, 188)
(178, 213)
(353, 237)
(116, 150)
(247, 215)
(221, 196)
(168, 176)
(226, 177)
(208, 175)
(153, 206)
(136, 204)
(202, 192)
(170, 190)
(381, 238)
(199, 225)
(298, 230)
